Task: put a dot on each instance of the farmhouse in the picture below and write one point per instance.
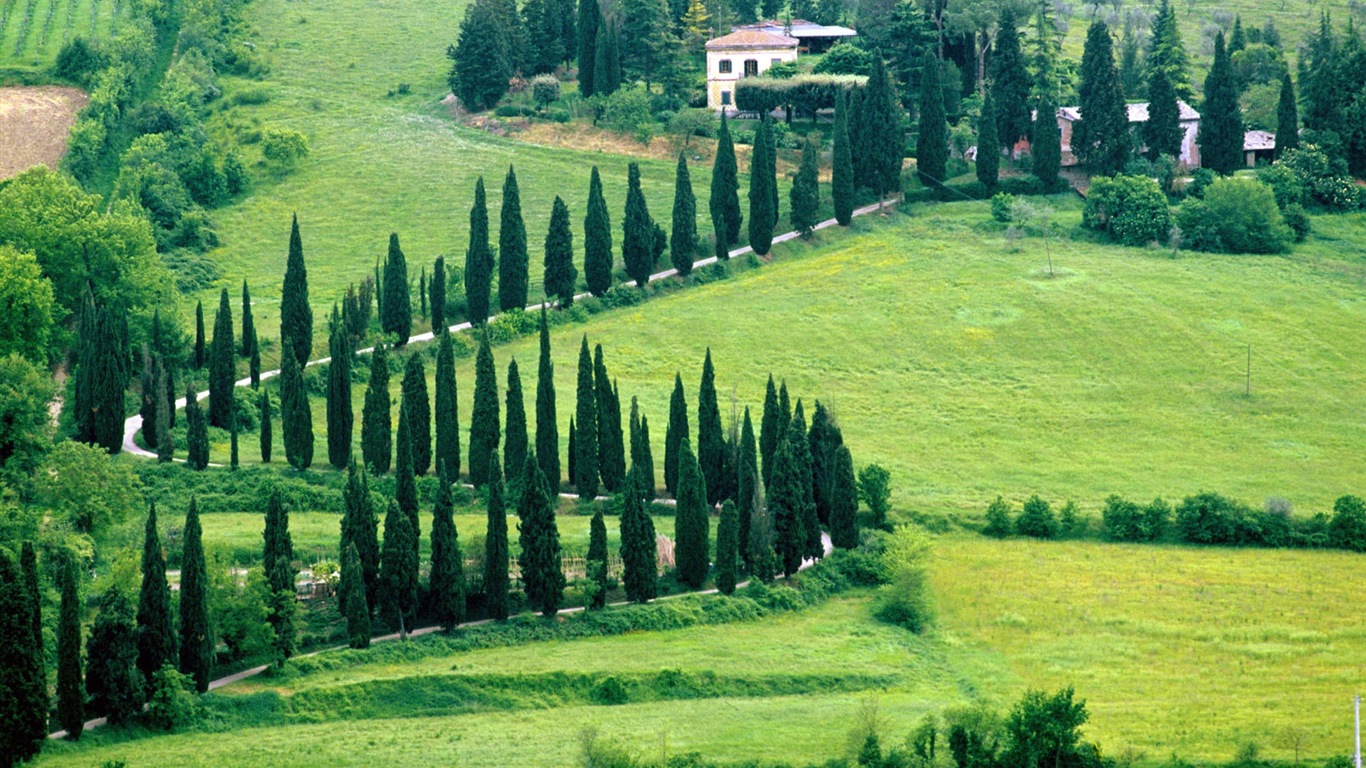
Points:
(750, 50)
(1138, 114)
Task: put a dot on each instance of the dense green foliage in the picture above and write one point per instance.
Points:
(988, 142)
(584, 443)
(675, 433)
(683, 237)
(639, 548)
(1221, 123)
(351, 598)
(1287, 118)
(296, 315)
(296, 416)
(1236, 215)
(222, 358)
(841, 165)
(637, 239)
(692, 525)
(560, 274)
(478, 264)
(596, 564)
(515, 437)
(547, 427)
(611, 445)
(727, 548)
(1046, 143)
(597, 239)
(711, 443)
(496, 546)
(512, 248)
(398, 571)
(1130, 209)
(446, 590)
(539, 538)
(360, 529)
(196, 633)
(484, 426)
(805, 195)
(113, 683)
(396, 309)
(70, 686)
(196, 433)
(446, 457)
(724, 202)
(763, 213)
(437, 294)
(376, 434)
(844, 526)
(155, 626)
(1010, 82)
(340, 416)
(417, 406)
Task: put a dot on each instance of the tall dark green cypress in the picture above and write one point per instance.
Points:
(147, 406)
(883, 140)
(478, 266)
(419, 408)
(785, 503)
(447, 583)
(675, 433)
(1101, 138)
(396, 311)
(611, 447)
(784, 410)
(196, 433)
(201, 355)
(597, 558)
(822, 438)
(512, 250)
(405, 481)
(112, 681)
(267, 436)
(724, 203)
(988, 142)
(515, 437)
(398, 571)
(691, 522)
(353, 606)
(70, 685)
(422, 294)
(35, 718)
(1010, 84)
(165, 407)
(233, 457)
(156, 631)
(590, 16)
(607, 59)
(484, 427)
(360, 527)
(1046, 143)
(639, 547)
(843, 501)
(932, 144)
(447, 457)
(683, 235)
(277, 550)
(811, 524)
(296, 415)
(496, 546)
(637, 230)
(1162, 131)
(196, 636)
(1287, 118)
(248, 324)
(560, 274)
(573, 455)
(762, 189)
(23, 678)
(254, 362)
(711, 442)
(727, 548)
(805, 195)
(842, 164)
(1221, 121)
(437, 289)
(296, 315)
(340, 417)
(770, 430)
(597, 239)
(222, 356)
(586, 414)
(747, 479)
(376, 434)
(547, 430)
(540, 542)
(641, 456)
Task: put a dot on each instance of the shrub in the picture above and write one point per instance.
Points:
(874, 490)
(1245, 212)
(806, 93)
(1130, 209)
(78, 61)
(1298, 220)
(783, 70)
(557, 115)
(1325, 178)
(1000, 206)
(1347, 530)
(1201, 178)
(283, 147)
(905, 600)
(1036, 519)
(1208, 518)
(1123, 519)
(1285, 184)
(609, 690)
(172, 701)
(845, 59)
(1199, 230)
(626, 108)
(998, 519)
(513, 110)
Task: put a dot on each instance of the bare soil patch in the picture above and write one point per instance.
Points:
(34, 125)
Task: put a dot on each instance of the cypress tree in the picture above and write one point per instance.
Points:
(156, 632)
(101, 378)
(1166, 51)
(266, 436)
(405, 482)
(418, 407)
(675, 433)
(23, 678)
(585, 441)
(842, 164)
(611, 447)
(724, 203)
(484, 427)
(805, 194)
(359, 527)
(1010, 83)
(200, 346)
(597, 239)
(1287, 118)
(33, 668)
(352, 592)
(277, 552)
(112, 680)
(1162, 131)
(811, 524)
(747, 478)
(843, 501)
(639, 548)
(785, 501)
(932, 145)
(147, 406)
(437, 289)
(762, 184)
(590, 16)
(233, 462)
(641, 456)
(447, 584)
(1221, 123)
(760, 557)
(296, 315)
(1237, 38)
(560, 272)
(165, 406)
(784, 411)
(376, 434)
(478, 266)
(573, 451)
(711, 443)
(597, 558)
(398, 569)
(254, 362)
(1046, 143)
(988, 142)
(607, 59)
(196, 434)
(248, 324)
(447, 458)
(396, 311)
(496, 546)
(691, 523)
(547, 430)
(883, 141)
(770, 430)
(822, 438)
(196, 638)
(1101, 138)
(540, 542)
(70, 687)
(422, 293)
(683, 234)
(727, 548)
(296, 415)
(637, 230)
(515, 442)
(512, 252)
(340, 417)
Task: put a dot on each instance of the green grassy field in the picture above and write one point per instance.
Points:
(1177, 651)
(33, 31)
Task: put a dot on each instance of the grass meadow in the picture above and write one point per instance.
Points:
(1177, 651)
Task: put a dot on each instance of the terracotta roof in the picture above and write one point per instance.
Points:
(750, 38)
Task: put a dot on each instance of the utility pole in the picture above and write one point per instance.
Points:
(1356, 720)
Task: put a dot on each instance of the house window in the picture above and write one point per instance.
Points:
(725, 98)
(751, 68)
(723, 66)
